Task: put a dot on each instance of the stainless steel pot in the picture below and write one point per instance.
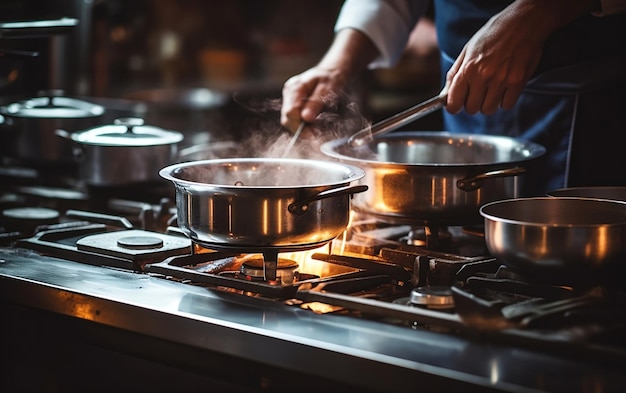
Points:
(435, 177)
(263, 205)
(30, 125)
(557, 238)
(125, 152)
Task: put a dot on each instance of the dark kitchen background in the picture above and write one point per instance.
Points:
(162, 52)
(113, 279)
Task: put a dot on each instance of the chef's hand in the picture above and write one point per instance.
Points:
(306, 95)
(497, 62)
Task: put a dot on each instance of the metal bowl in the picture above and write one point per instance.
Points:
(562, 238)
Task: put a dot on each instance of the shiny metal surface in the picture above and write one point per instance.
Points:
(256, 204)
(435, 176)
(557, 235)
(398, 120)
(30, 125)
(371, 355)
(123, 153)
(434, 297)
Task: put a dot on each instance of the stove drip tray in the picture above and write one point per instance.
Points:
(134, 244)
(97, 244)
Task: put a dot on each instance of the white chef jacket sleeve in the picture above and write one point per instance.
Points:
(388, 23)
(611, 7)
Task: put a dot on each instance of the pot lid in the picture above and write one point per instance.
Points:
(52, 106)
(129, 131)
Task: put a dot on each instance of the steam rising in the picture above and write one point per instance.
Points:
(266, 138)
(264, 173)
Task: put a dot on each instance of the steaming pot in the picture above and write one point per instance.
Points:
(263, 205)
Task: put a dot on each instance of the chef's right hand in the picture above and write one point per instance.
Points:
(305, 95)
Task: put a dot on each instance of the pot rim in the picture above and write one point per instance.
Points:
(53, 107)
(351, 173)
(505, 217)
(333, 148)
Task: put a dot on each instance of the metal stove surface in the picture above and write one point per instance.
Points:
(354, 325)
(368, 354)
(113, 276)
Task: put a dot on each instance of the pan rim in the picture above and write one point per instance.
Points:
(351, 173)
(501, 218)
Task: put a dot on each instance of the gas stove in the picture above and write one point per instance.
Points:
(384, 307)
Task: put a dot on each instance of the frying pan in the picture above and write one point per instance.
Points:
(564, 240)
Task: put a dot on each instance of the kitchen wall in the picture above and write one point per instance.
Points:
(234, 45)
(245, 46)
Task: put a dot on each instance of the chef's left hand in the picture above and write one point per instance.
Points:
(497, 62)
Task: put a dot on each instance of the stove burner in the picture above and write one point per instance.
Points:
(434, 297)
(430, 237)
(140, 242)
(27, 219)
(253, 266)
(474, 230)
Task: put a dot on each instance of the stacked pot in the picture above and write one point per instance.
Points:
(125, 152)
(28, 126)
(52, 129)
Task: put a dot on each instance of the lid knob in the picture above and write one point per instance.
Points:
(129, 122)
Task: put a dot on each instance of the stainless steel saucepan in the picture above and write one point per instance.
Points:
(437, 177)
(263, 205)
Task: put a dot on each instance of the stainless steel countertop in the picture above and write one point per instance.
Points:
(375, 355)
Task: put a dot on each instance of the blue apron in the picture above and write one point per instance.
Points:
(574, 105)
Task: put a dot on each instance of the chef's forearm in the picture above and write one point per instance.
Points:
(350, 53)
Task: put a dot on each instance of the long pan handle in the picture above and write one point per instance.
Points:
(396, 121)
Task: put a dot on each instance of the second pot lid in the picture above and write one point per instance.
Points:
(127, 132)
(52, 106)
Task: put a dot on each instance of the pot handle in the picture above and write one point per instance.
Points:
(301, 207)
(474, 183)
